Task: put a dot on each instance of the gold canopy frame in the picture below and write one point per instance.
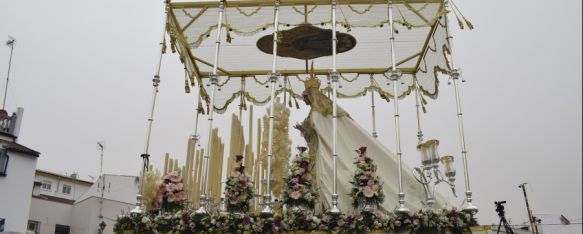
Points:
(421, 46)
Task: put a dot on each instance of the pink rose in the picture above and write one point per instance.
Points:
(416, 222)
(175, 177)
(170, 187)
(162, 187)
(368, 192)
(180, 196)
(235, 174)
(171, 198)
(243, 178)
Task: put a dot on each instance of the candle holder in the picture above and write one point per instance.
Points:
(429, 173)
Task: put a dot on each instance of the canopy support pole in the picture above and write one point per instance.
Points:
(372, 108)
(334, 77)
(214, 78)
(429, 195)
(146, 156)
(395, 77)
(267, 209)
(455, 74)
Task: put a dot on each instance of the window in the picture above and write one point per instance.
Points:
(33, 226)
(62, 229)
(46, 185)
(3, 162)
(66, 189)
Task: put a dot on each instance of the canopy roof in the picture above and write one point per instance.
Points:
(420, 46)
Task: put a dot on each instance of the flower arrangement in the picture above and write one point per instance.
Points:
(238, 191)
(299, 194)
(231, 223)
(302, 221)
(170, 195)
(367, 221)
(187, 221)
(269, 225)
(332, 222)
(367, 187)
(429, 221)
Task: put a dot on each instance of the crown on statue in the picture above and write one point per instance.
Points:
(313, 81)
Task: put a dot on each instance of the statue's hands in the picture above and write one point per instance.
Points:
(300, 127)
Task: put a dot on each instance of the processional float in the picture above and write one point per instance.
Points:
(392, 48)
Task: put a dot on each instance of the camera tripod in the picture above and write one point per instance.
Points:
(503, 221)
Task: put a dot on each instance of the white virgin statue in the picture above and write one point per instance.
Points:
(317, 131)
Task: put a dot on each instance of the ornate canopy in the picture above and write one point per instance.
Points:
(420, 46)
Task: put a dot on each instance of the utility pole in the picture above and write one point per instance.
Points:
(533, 226)
(100, 147)
(10, 43)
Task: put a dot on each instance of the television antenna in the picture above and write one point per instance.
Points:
(10, 43)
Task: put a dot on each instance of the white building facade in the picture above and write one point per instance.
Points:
(51, 209)
(17, 166)
(69, 205)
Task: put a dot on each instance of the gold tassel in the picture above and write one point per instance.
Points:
(424, 110)
(297, 105)
(470, 25)
(229, 38)
(348, 27)
(186, 86)
(289, 103)
(459, 21)
(423, 100)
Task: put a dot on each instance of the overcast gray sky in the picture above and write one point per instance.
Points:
(82, 71)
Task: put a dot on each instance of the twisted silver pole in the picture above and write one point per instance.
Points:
(395, 77)
(267, 210)
(334, 77)
(214, 78)
(455, 75)
(146, 156)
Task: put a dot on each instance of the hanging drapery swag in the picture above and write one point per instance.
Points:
(191, 25)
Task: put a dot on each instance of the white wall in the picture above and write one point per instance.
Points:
(16, 191)
(86, 215)
(50, 213)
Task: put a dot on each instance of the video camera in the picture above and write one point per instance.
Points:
(500, 208)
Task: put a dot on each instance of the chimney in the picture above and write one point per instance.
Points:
(74, 175)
